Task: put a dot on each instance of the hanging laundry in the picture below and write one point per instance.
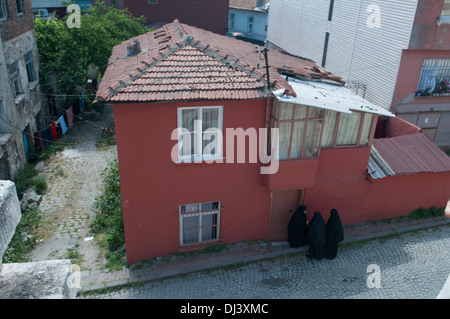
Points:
(37, 142)
(48, 135)
(58, 129)
(54, 132)
(63, 124)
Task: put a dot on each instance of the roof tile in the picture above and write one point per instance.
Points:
(183, 62)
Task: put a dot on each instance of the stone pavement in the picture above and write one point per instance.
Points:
(236, 254)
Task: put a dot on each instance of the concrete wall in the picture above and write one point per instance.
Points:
(241, 23)
(9, 214)
(24, 113)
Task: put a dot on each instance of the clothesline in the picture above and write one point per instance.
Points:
(46, 137)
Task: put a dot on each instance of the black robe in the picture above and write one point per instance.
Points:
(297, 229)
(317, 236)
(335, 234)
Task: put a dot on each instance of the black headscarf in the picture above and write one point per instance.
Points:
(317, 236)
(335, 234)
(297, 228)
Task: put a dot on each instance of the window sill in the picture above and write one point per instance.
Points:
(203, 159)
(19, 98)
(33, 84)
(184, 248)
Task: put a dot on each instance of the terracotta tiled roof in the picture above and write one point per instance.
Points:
(181, 62)
(407, 154)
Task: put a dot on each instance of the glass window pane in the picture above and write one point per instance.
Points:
(286, 111)
(297, 139)
(190, 229)
(188, 118)
(365, 131)
(348, 129)
(210, 118)
(275, 108)
(315, 113)
(300, 112)
(312, 140)
(210, 143)
(285, 135)
(328, 129)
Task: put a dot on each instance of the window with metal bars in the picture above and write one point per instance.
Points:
(199, 223)
(435, 77)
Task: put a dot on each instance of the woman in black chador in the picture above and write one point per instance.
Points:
(335, 234)
(297, 228)
(317, 236)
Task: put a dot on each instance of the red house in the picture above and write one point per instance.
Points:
(212, 148)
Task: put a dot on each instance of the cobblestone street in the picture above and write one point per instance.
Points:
(74, 177)
(413, 265)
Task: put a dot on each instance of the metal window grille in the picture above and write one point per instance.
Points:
(434, 72)
(199, 223)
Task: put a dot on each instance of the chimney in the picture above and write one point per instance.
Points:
(133, 48)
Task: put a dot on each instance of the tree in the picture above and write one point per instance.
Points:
(65, 54)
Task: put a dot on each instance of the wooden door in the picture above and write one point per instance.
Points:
(284, 204)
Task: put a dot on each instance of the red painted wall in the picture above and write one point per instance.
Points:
(359, 198)
(205, 14)
(409, 75)
(426, 34)
(153, 187)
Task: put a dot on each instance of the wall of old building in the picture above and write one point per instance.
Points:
(23, 114)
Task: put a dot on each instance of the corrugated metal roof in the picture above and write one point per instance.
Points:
(181, 62)
(408, 154)
(329, 96)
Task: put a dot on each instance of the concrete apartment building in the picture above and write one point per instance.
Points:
(394, 53)
(20, 98)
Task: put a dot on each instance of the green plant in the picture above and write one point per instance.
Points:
(24, 239)
(25, 178)
(421, 212)
(116, 260)
(74, 256)
(40, 184)
(108, 222)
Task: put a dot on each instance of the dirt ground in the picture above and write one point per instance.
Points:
(74, 182)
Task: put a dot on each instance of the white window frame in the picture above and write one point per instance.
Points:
(251, 24)
(16, 81)
(232, 20)
(199, 156)
(200, 227)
